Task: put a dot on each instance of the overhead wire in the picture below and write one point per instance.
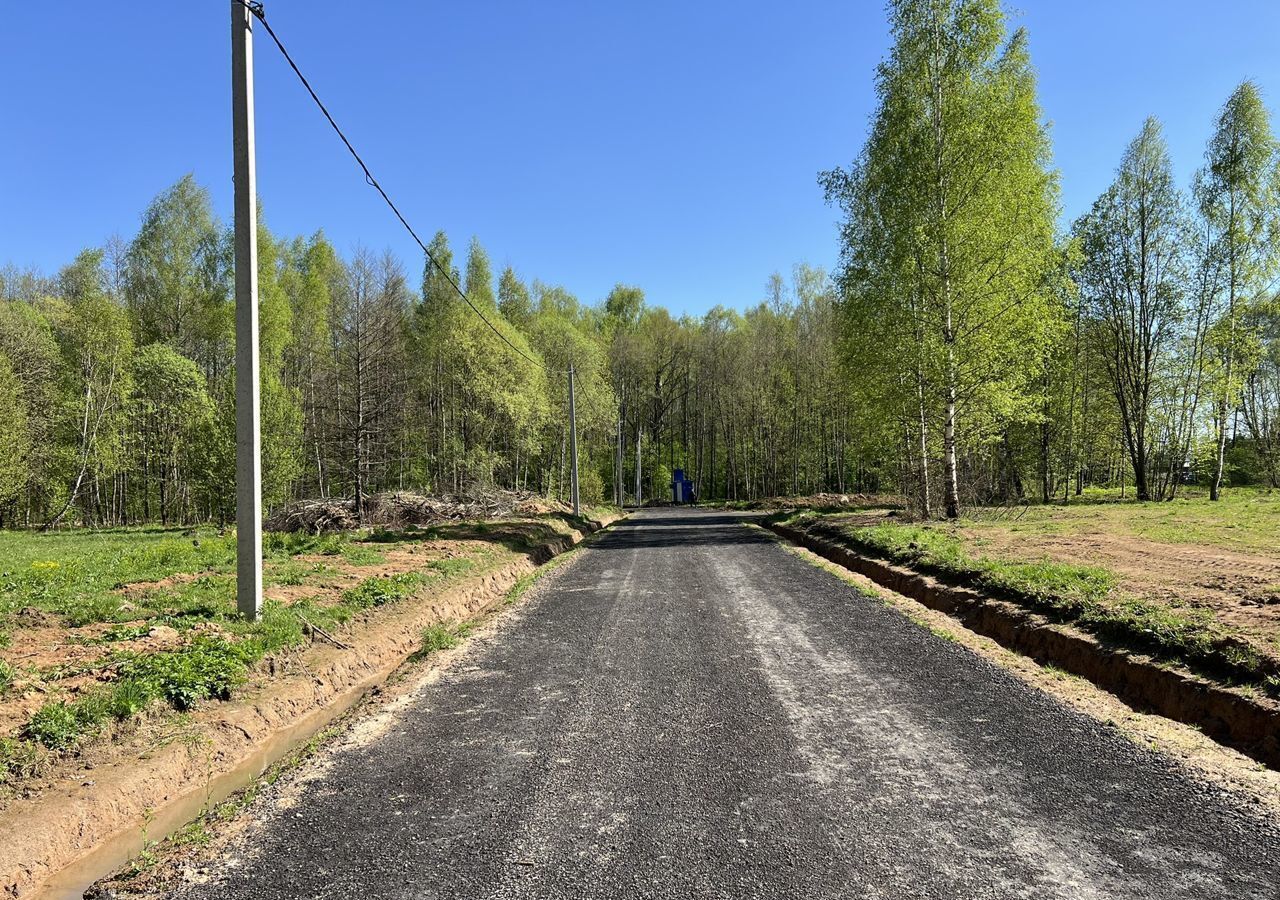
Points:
(256, 8)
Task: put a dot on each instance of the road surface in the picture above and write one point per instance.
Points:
(691, 711)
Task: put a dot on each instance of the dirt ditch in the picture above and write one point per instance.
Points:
(90, 815)
(1248, 724)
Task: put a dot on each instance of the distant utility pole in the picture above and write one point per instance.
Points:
(573, 445)
(248, 427)
(639, 498)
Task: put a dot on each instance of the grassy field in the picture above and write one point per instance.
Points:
(100, 627)
(1243, 520)
(1194, 582)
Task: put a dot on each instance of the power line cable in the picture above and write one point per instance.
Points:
(256, 8)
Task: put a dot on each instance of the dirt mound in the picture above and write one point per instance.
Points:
(399, 509)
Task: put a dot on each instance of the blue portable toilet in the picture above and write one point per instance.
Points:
(681, 488)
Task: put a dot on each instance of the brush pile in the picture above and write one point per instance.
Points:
(401, 509)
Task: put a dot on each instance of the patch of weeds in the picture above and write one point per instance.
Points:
(451, 568)
(128, 698)
(193, 834)
(1056, 673)
(118, 633)
(208, 668)
(5, 639)
(284, 544)
(7, 676)
(438, 637)
(20, 758)
(87, 610)
(380, 590)
(290, 572)
(147, 857)
(361, 555)
(278, 627)
(57, 725)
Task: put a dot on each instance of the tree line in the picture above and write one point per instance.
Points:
(117, 381)
(966, 351)
(1006, 360)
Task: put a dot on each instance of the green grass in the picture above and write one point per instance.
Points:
(208, 666)
(1084, 596)
(1245, 519)
(75, 578)
(439, 637)
(381, 590)
(77, 575)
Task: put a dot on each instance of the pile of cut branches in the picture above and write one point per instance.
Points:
(314, 516)
(401, 509)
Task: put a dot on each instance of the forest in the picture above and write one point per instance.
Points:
(969, 349)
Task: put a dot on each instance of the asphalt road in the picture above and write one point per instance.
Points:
(691, 711)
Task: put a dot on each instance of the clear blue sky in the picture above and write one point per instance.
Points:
(670, 145)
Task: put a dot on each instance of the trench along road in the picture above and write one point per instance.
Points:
(688, 710)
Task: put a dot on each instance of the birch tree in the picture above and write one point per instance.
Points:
(1134, 277)
(1237, 195)
(955, 183)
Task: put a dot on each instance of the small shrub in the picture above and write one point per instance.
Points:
(438, 637)
(55, 725)
(129, 698)
(210, 668)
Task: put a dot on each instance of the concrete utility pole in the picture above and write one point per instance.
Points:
(573, 445)
(248, 428)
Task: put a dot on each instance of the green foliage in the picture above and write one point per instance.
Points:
(15, 436)
(949, 234)
(56, 725)
(381, 590)
(7, 675)
(77, 575)
(176, 276)
(438, 637)
(208, 668)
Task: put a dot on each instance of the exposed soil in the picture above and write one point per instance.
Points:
(1240, 590)
(139, 589)
(61, 662)
(57, 662)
